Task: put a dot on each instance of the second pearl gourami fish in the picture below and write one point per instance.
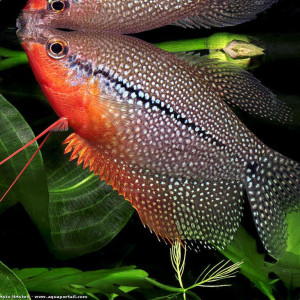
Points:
(158, 130)
(131, 16)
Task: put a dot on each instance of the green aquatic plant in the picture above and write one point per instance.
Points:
(208, 277)
(111, 283)
(77, 214)
(10, 58)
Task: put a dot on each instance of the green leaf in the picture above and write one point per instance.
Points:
(64, 281)
(10, 284)
(258, 270)
(85, 213)
(217, 41)
(12, 58)
(235, 48)
(31, 189)
(288, 267)
(243, 248)
(293, 242)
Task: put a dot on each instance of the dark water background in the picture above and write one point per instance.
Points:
(20, 243)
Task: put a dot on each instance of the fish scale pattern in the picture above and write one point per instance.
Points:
(220, 13)
(132, 16)
(162, 83)
(173, 207)
(238, 88)
(178, 127)
(173, 147)
(273, 191)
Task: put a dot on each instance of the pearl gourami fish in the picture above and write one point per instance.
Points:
(132, 16)
(161, 133)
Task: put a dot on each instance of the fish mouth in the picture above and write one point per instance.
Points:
(30, 25)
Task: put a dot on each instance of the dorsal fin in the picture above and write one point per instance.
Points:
(220, 13)
(239, 88)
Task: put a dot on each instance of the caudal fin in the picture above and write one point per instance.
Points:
(273, 188)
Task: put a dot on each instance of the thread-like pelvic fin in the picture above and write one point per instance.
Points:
(59, 125)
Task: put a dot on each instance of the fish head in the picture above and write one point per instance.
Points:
(51, 6)
(104, 15)
(47, 13)
(63, 14)
(75, 98)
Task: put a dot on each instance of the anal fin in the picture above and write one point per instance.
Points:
(175, 208)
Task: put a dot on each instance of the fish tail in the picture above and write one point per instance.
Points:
(273, 189)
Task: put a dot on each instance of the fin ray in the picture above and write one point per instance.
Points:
(220, 13)
(175, 208)
(240, 89)
(273, 189)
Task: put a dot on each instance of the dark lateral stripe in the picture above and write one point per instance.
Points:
(87, 69)
(206, 136)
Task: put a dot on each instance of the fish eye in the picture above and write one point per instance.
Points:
(57, 48)
(58, 5)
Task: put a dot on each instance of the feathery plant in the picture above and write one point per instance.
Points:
(208, 277)
(178, 262)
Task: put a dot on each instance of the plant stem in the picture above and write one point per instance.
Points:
(13, 62)
(171, 288)
(10, 53)
(12, 58)
(216, 41)
(178, 263)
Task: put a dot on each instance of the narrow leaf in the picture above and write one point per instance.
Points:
(63, 281)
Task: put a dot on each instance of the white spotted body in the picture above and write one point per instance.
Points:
(176, 151)
(131, 16)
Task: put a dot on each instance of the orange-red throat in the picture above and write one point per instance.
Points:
(35, 4)
(79, 103)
